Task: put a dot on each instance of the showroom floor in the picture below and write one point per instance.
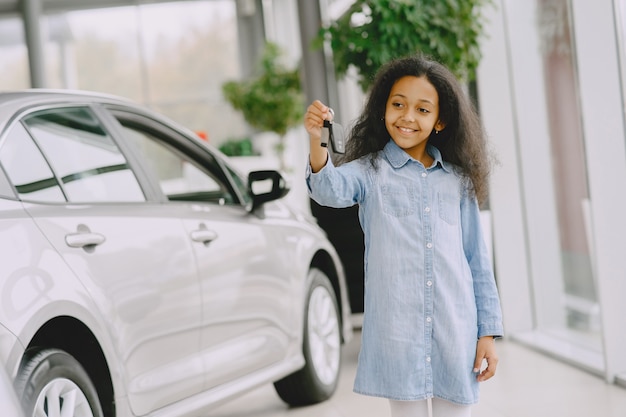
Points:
(528, 384)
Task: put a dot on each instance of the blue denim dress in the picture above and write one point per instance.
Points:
(430, 290)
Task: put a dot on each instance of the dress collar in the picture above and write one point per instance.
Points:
(397, 157)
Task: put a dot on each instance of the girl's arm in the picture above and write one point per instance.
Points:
(485, 290)
(329, 186)
(314, 118)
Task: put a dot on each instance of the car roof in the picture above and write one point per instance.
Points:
(42, 94)
(12, 102)
(17, 101)
(49, 93)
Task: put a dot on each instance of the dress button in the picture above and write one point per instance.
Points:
(427, 209)
(428, 319)
(429, 283)
(429, 245)
(424, 174)
(427, 358)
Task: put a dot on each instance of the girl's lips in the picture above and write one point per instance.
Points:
(405, 129)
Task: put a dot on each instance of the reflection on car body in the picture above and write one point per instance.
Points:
(144, 275)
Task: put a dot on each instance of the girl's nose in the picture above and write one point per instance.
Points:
(409, 115)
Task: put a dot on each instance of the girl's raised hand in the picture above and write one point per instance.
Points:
(314, 118)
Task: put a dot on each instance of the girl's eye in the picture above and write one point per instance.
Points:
(397, 105)
(422, 110)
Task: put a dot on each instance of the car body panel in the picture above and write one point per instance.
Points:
(246, 322)
(144, 282)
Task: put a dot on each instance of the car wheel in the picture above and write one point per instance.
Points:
(52, 383)
(318, 379)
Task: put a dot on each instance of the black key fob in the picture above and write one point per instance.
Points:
(333, 133)
(326, 132)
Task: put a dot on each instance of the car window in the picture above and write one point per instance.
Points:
(241, 185)
(27, 169)
(6, 189)
(180, 177)
(90, 166)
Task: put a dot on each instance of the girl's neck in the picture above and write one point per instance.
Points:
(426, 160)
(423, 156)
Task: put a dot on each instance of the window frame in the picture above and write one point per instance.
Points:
(183, 142)
(89, 107)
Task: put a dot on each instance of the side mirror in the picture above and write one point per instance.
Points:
(266, 186)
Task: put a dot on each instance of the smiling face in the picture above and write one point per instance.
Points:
(411, 114)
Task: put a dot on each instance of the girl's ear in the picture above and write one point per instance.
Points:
(440, 125)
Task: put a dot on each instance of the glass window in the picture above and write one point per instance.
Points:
(241, 184)
(620, 11)
(85, 158)
(579, 300)
(6, 189)
(180, 177)
(170, 56)
(27, 169)
(14, 70)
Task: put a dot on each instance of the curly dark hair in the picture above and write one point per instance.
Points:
(462, 142)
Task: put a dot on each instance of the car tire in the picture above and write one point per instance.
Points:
(318, 379)
(50, 381)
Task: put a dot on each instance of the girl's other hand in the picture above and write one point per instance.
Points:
(314, 118)
(485, 350)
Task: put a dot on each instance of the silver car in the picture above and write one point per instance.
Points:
(142, 275)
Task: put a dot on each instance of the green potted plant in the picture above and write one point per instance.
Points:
(372, 32)
(237, 147)
(271, 100)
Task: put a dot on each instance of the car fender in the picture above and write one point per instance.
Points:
(309, 243)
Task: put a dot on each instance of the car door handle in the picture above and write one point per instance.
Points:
(203, 236)
(81, 240)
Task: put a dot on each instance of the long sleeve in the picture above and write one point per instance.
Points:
(337, 187)
(485, 290)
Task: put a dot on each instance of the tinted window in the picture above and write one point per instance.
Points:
(180, 177)
(27, 169)
(6, 190)
(241, 185)
(89, 164)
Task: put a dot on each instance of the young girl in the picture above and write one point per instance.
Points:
(416, 164)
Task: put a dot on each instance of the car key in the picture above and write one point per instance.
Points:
(333, 135)
(327, 129)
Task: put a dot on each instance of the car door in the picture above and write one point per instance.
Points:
(132, 256)
(249, 298)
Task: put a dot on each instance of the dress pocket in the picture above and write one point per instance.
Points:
(399, 200)
(448, 207)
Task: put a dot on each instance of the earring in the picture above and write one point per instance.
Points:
(436, 132)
